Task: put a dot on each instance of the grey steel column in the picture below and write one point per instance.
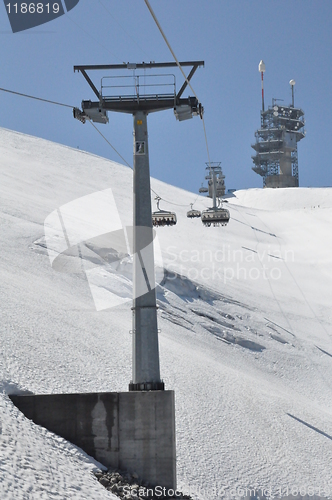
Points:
(146, 371)
(214, 182)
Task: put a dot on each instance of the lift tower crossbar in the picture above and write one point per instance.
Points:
(145, 103)
(141, 100)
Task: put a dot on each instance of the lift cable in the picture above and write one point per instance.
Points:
(169, 46)
(185, 77)
(258, 242)
(128, 165)
(180, 67)
(71, 107)
(297, 285)
(37, 98)
(108, 142)
(67, 106)
(102, 135)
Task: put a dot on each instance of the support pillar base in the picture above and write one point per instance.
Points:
(147, 386)
(133, 431)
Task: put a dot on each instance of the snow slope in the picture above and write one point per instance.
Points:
(245, 319)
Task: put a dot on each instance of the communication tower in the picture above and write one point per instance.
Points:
(282, 127)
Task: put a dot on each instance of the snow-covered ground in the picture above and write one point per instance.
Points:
(245, 320)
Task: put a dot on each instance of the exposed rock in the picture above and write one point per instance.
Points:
(128, 486)
(104, 481)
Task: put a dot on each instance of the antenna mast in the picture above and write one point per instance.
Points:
(261, 69)
(292, 83)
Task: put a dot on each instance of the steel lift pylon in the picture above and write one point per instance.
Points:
(140, 99)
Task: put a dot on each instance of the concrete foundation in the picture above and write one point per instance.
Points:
(280, 181)
(133, 431)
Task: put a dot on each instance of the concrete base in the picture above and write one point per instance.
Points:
(280, 181)
(133, 431)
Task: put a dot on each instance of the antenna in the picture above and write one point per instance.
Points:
(292, 83)
(261, 69)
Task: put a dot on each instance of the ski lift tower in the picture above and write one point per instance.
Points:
(282, 127)
(215, 215)
(216, 180)
(139, 95)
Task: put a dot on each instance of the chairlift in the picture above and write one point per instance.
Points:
(215, 216)
(192, 213)
(162, 217)
(203, 189)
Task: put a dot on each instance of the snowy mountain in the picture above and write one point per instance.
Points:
(244, 317)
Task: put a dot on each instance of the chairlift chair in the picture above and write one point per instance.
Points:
(203, 189)
(162, 217)
(192, 213)
(215, 216)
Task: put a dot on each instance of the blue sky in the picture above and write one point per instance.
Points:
(231, 36)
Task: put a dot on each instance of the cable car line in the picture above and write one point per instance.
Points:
(258, 242)
(108, 142)
(72, 107)
(297, 285)
(170, 48)
(128, 164)
(99, 132)
(180, 68)
(37, 98)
